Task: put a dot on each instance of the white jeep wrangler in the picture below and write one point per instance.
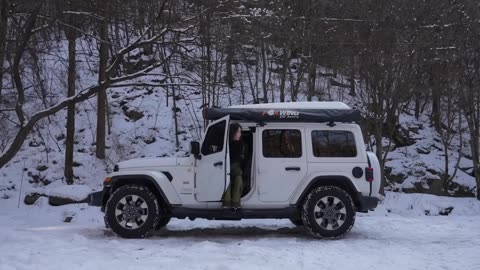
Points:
(319, 181)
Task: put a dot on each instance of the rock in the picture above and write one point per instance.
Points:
(446, 211)
(132, 114)
(457, 190)
(417, 188)
(418, 172)
(60, 137)
(68, 219)
(423, 151)
(34, 144)
(433, 171)
(42, 168)
(414, 129)
(177, 110)
(396, 178)
(76, 164)
(149, 140)
(57, 201)
(30, 199)
(402, 138)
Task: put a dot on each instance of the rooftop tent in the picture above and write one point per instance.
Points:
(287, 112)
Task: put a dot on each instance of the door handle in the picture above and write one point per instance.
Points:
(292, 168)
(220, 163)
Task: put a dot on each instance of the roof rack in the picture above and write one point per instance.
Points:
(317, 112)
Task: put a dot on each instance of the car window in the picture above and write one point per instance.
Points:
(282, 143)
(214, 139)
(333, 143)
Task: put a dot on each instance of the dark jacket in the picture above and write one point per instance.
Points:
(237, 151)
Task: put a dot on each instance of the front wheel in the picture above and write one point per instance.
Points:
(328, 212)
(132, 212)
(297, 221)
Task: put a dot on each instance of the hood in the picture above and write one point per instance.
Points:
(154, 162)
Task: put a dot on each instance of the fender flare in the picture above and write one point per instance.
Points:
(333, 180)
(158, 182)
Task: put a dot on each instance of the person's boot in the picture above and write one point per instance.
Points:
(226, 204)
(236, 205)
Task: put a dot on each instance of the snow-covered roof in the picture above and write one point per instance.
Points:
(315, 105)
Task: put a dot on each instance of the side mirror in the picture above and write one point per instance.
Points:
(195, 148)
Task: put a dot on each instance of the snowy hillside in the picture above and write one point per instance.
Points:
(142, 125)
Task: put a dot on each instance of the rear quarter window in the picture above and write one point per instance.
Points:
(333, 143)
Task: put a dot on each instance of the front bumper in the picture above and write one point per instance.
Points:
(366, 203)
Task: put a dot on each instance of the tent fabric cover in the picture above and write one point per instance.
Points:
(284, 115)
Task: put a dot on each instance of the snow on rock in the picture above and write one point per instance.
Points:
(74, 192)
(426, 205)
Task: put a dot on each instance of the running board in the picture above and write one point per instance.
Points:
(230, 214)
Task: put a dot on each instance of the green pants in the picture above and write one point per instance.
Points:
(234, 190)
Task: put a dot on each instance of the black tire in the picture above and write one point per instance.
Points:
(148, 201)
(328, 212)
(297, 222)
(162, 222)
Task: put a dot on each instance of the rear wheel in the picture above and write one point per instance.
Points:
(328, 212)
(132, 211)
(162, 222)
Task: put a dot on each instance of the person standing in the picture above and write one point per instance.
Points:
(233, 194)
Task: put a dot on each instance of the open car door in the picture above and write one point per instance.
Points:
(211, 175)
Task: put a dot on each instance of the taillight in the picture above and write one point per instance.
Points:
(369, 174)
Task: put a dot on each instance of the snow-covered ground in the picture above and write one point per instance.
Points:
(396, 236)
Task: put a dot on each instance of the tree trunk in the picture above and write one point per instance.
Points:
(3, 40)
(475, 155)
(378, 152)
(69, 142)
(352, 76)
(264, 73)
(436, 109)
(175, 117)
(102, 94)
(417, 105)
(283, 77)
(312, 77)
(229, 58)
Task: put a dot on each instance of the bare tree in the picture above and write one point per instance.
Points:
(71, 34)
(102, 76)
(113, 78)
(3, 39)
